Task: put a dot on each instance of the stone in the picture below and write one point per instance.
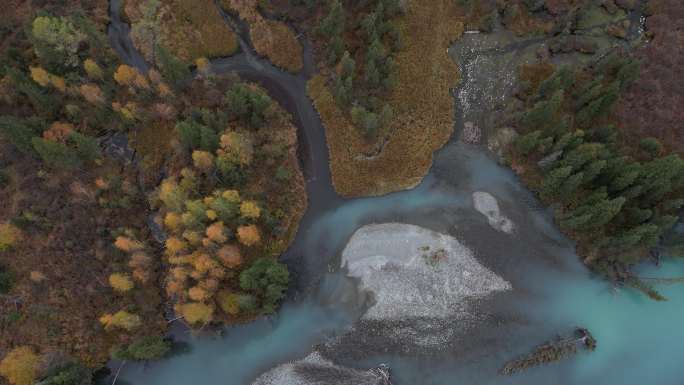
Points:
(315, 370)
(487, 205)
(414, 272)
(501, 139)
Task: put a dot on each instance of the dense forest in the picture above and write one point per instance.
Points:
(617, 200)
(131, 199)
(84, 276)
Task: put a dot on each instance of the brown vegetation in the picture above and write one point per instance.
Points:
(63, 281)
(423, 106)
(189, 29)
(652, 106)
(271, 38)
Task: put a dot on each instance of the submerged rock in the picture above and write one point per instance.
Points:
(487, 205)
(315, 370)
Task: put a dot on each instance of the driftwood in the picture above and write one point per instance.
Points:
(551, 352)
(383, 373)
(116, 377)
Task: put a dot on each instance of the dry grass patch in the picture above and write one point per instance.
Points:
(421, 100)
(190, 29)
(271, 38)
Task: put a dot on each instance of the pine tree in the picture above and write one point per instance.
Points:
(598, 107)
(637, 216)
(641, 234)
(575, 221)
(333, 23)
(624, 175)
(651, 146)
(553, 181)
(593, 170)
(86, 147)
(347, 65)
(605, 211)
(528, 142)
(581, 155)
(172, 68)
(20, 132)
(570, 185)
(543, 113)
(56, 154)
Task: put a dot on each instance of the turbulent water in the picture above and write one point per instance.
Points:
(466, 196)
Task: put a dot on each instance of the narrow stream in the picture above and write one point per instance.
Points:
(639, 341)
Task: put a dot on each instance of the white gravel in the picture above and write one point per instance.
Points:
(487, 205)
(414, 272)
(315, 370)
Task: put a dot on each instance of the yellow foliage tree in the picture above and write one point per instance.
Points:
(203, 65)
(198, 294)
(174, 287)
(122, 320)
(93, 70)
(238, 147)
(179, 274)
(37, 276)
(127, 244)
(218, 272)
(229, 302)
(203, 160)
(230, 256)
(40, 76)
(154, 76)
(20, 366)
(231, 195)
(174, 245)
(164, 90)
(9, 236)
(216, 232)
(92, 93)
(120, 282)
(172, 221)
(171, 195)
(125, 75)
(140, 81)
(194, 237)
(250, 209)
(179, 259)
(58, 132)
(248, 235)
(210, 284)
(196, 312)
(203, 263)
(139, 259)
(58, 82)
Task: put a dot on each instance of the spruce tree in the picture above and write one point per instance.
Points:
(20, 132)
(553, 181)
(333, 23)
(528, 143)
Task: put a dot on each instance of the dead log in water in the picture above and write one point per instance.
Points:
(551, 352)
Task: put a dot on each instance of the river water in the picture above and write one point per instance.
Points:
(639, 341)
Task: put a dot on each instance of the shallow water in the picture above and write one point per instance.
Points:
(639, 341)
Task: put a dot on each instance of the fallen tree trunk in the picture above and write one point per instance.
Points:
(551, 352)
